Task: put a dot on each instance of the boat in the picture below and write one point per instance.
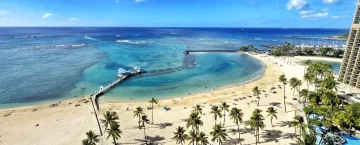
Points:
(172, 32)
(117, 35)
(86, 37)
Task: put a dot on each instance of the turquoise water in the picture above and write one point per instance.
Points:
(50, 64)
(336, 65)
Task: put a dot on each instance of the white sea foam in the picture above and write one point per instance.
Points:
(78, 45)
(131, 42)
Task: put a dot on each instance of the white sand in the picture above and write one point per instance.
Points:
(318, 58)
(67, 124)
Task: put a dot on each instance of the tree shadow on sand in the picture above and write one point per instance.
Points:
(164, 125)
(232, 141)
(283, 124)
(151, 140)
(274, 104)
(274, 135)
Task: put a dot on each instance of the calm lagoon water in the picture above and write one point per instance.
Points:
(48, 64)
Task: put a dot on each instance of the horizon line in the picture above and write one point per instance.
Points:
(161, 27)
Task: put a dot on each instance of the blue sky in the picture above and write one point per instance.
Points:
(179, 13)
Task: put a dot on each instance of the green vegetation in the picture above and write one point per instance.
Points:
(271, 113)
(91, 138)
(152, 102)
(322, 101)
(257, 93)
(225, 108)
(216, 112)
(236, 115)
(344, 36)
(248, 48)
(138, 113)
(287, 49)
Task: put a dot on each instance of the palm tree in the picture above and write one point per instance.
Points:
(110, 118)
(293, 85)
(298, 84)
(304, 93)
(256, 122)
(298, 122)
(144, 121)
(331, 99)
(307, 63)
(180, 135)
(308, 78)
(218, 134)
(114, 132)
(257, 93)
(236, 115)
(194, 121)
(283, 80)
(202, 138)
(271, 113)
(308, 139)
(193, 137)
(91, 138)
(225, 108)
(198, 109)
(139, 112)
(345, 117)
(216, 112)
(153, 101)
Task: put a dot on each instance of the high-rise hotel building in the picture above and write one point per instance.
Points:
(350, 67)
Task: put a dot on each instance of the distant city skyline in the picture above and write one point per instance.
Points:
(179, 13)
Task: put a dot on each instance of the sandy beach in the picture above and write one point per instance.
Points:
(66, 123)
(317, 58)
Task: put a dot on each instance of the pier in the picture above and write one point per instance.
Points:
(122, 75)
(213, 50)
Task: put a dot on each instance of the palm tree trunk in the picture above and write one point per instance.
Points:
(271, 121)
(152, 112)
(139, 123)
(224, 118)
(239, 133)
(144, 134)
(215, 119)
(258, 101)
(258, 135)
(114, 141)
(284, 99)
(255, 137)
(350, 128)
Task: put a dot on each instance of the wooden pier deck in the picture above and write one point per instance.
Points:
(120, 78)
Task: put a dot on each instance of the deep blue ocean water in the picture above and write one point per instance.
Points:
(48, 64)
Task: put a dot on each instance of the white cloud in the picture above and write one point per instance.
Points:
(3, 19)
(315, 16)
(325, 9)
(117, 1)
(306, 12)
(138, 1)
(329, 1)
(337, 17)
(74, 19)
(46, 15)
(297, 4)
(3, 11)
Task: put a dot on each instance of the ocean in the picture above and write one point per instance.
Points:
(46, 64)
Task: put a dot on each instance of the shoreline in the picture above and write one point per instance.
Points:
(130, 100)
(69, 120)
